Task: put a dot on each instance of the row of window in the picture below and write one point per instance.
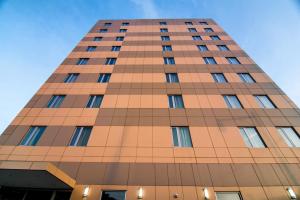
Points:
(175, 101)
(170, 78)
(191, 30)
(180, 134)
(167, 61)
(163, 23)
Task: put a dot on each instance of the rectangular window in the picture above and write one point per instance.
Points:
(110, 61)
(98, 38)
(196, 37)
(246, 78)
(167, 48)
(192, 30)
(107, 24)
(290, 136)
(229, 196)
(252, 138)
(219, 77)
(122, 30)
(55, 101)
(163, 30)
(175, 101)
(169, 61)
(165, 38)
(232, 101)
(71, 78)
(202, 47)
(162, 23)
(81, 136)
(208, 30)
(113, 195)
(82, 61)
(181, 137)
(214, 37)
(264, 101)
(119, 38)
(104, 78)
(203, 23)
(223, 47)
(115, 48)
(94, 101)
(188, 23)
(233, 60)
(102, 30)
(172, 78)
(91, 48)
(33, 135)
(125, 24)
(209, 60)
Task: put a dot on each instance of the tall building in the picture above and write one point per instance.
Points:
(154, 109)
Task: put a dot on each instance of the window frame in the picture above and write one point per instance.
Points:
(230, 60)
(166, 48)
(97, 39)
(77, 136)
(208, 60)
(32, 136)
(165, 38)
(208, 30)
(173, 103)
(244, 80)
(122, 30)
(288, 140)
(192, 30)
(119, 38)
(125, 193)
(164, 30)
(261, 104)
(214, 75)
(69, 78)
(103, 79)
(228, 102)
(237, 192)
(215, 37)
(202, 50)
(169, 61)
(91, 48)
(178, 140)
(110, 61)
(55, 101)
(199, 38)
(103, 30)
(170, 79)
(116, 48)
(221, 46)
(82, 61)
(92, 101)
(250, 143)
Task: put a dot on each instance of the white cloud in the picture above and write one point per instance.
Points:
(147, 7)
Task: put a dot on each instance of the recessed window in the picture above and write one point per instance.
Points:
(107, 24)
(94, 101)
(82, 61)
(33, 135)
(71, 78)
(169, 61)
(232, 101)
(175, 101)
(91, 48)
(119, 38)
(125, 24)
(203, 23)
(192, 30)
(181, 137)
(252, 138)
(165, 38)
(102, 30)
(163, 30)
(202, 47)
(113, 195)
(172, 78)
(223, 48)
(264, 101)
(229, 196)
(214, 37)
(196, 37)
(115, 48)
(55, 101)
(208, 30)
(110, 61)
(167, 48)
(209, 60)
(246, 78)
(290, 136)
(98, 38)
(233, 60)
(104, 78)
(122, 30)
(81, 136)
(162, 23)
(188, 23)
(219, 77)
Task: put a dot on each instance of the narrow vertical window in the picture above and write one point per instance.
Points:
(169, 61)
(233, 60)
(81, 136)
(94, 101)
(165, 38)
(97, 39)
(219, 77)
(104, 78)
(122, 30)
(223, 48)
(108, 24)
(91, 48)
(192, 30)
(125, 24)
(290, 136)
(71, 78)
(115, 48)
(181, 137)
(188, 23)
(202, 47)
(208, 30)
(175, 101)
(110, 61)
(209, 60)
(214, 37)
(163, 23)
(264, 101)
(196, 37)
(102, 30)
(55, 101)
(82, 61)
(246, 78)
(172, 78)
(163, 30)
(232, 101)
(167, 48)
(252, 138)
(119, 38)
(203, 23)
(33, 135)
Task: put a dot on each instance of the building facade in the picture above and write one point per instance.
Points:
(154, 109)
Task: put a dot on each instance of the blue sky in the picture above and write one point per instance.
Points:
(36, 35)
